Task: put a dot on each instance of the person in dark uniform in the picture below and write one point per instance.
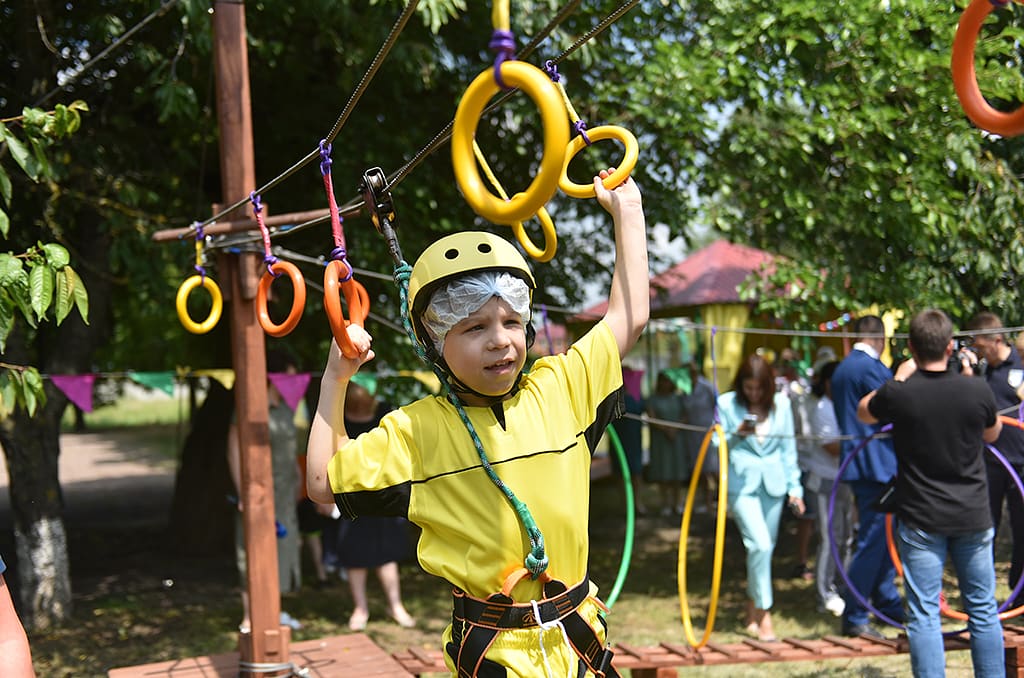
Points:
(1005, 376)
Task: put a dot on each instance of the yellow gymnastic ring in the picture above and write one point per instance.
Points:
(684, 534)
(547, 226)
(621, 172)
(545, 95)
(181, 302)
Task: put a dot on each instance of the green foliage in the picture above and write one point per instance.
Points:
(41, 278)
(831, 134)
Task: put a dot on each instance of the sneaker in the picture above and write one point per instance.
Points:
(801, 571)
(288, 620)
(835, 604)
(865, 630)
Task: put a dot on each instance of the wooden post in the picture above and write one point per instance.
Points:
(268, 641)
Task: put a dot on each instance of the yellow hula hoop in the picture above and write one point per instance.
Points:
(622, 171)
(684, 534)
(538, 86)
(181, 302)
(546, 224)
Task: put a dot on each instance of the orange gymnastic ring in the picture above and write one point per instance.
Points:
(965, 79)
(622, 171)
(545, 95)
(298, 298)
(355, 296)
(216, 304)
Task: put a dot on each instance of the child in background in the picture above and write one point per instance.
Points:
(515, 501)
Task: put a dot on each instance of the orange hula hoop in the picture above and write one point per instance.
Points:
(298, 298)
(965, 79)
(355, 296)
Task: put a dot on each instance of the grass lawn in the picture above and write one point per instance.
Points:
(136, 602)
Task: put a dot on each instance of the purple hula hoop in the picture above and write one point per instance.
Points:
(834, 548)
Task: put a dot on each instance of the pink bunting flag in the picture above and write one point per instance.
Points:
(77, 387)
(291, 386)
(632, 379)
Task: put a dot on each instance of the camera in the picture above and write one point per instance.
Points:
(962, 351)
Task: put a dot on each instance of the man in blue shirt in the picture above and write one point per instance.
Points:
(871, 570)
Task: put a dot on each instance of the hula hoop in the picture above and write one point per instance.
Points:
(834, 548)
(298, 298)
(545, 95)
(716, 568)
(965, 79)
(944, 607)
(622, 170)
(627, 546)
(355, 296)
(216, 304)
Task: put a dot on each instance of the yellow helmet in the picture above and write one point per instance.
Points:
(456, 255)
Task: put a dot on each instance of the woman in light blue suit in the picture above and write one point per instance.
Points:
(763, 476)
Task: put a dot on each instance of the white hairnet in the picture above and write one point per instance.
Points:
(462, 296)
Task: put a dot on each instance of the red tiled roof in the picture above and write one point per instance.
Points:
(708, 276)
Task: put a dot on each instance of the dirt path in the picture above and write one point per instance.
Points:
(107, 477)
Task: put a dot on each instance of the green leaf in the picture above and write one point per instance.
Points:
(40, 286)
(63, 299)
(79, 294)
(5, 223)
(5, 187)
(10, 269)
(20, 153)
(56, 255)
(33, 392)
(6, 320)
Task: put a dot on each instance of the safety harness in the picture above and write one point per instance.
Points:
(477, 622)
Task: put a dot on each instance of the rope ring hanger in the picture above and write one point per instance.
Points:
(275, 269)
(201, 279)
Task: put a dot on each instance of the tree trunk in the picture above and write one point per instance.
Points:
(32, 447)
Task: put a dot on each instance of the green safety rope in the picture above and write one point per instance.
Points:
(536, 561)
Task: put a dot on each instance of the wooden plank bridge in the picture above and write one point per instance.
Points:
(665, 659)
(355, 654)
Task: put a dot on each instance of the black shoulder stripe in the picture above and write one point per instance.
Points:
(611, 408)
(390, 501)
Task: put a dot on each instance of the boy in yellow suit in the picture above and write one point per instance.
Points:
(523, 604)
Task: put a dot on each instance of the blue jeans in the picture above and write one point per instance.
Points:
(923, 555)
(871, 570)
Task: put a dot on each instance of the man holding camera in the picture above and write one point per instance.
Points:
(1005, 376)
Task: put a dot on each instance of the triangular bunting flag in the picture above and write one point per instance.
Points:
(163, 381)
(225, 377)
(77, 387)
(291, 386)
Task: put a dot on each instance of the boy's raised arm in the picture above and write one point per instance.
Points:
(629, 300)
(327, 432)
